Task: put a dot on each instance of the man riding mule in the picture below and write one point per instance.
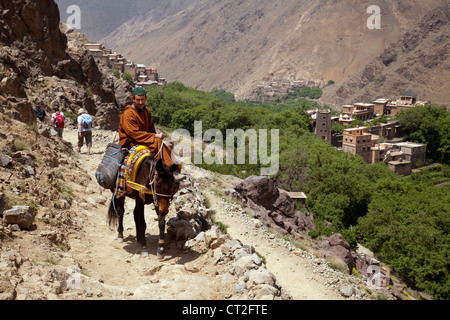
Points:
(147, 174)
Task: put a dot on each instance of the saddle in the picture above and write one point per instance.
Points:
(128, 171)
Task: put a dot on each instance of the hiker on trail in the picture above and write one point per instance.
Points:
(137, 128)
(40, 113)
(84, 129)
(57, 120)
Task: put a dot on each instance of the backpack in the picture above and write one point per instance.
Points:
(86, 121)
(59, 120)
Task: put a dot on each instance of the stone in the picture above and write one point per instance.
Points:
(246, 262)
(260, 189)
(3, 203)
(285, 205)
(304, 222)
(341, 253)
(5, 160)
(7, 290)
(260, 276)
(338, 240)
(347, 290)
(20, 215)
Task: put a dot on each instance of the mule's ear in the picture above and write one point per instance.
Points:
(174, 168)
(159, 166)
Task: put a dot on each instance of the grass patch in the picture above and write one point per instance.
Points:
(222, 226)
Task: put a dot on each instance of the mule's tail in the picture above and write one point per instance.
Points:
(113, 217)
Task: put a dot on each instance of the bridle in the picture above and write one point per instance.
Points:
(153, 174)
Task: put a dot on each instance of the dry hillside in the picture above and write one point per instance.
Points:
(234, 45)
(419, 61)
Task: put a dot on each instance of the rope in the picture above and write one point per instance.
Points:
(111, 157)
(115, 192)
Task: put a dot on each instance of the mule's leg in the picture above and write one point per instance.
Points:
(115, 215)
(162, 225)
(120, 204)
(139, 220)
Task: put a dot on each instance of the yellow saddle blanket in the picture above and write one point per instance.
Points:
(129, 169)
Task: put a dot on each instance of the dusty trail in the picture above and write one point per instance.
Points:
(120, 267)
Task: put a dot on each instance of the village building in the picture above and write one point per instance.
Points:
(298, 196)
(406, 101)
(321, 121)
(359, 141)
(278, 87)
(387, 131)
(414, 152)
(380, 106)
(357, 111)
(400, 167)
(401, 157)
(140, 74)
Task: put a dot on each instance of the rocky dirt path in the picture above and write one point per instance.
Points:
(119, 267)
(296, 270)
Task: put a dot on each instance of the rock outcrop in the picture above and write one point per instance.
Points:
(41, 60)
(336, 246)
(261, 195)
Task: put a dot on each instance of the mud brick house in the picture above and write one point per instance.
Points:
(388, 131)
(322, 124)
(406, 101)
(361, 111)
(401, 157)
(359, 141)
(140, 74)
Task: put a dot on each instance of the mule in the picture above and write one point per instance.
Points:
(159, 186)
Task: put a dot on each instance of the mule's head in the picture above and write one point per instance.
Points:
(165, 185)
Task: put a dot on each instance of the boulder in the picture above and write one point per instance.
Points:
(336, 246)
(285, 205)
(260, 189)
(338, 240)
(260, 276)
(304, 222)
(20, 215)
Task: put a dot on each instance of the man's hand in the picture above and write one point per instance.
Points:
(160, 135)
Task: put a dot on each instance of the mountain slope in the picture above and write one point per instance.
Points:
(420, 62)
(100, 18)
(236, 44)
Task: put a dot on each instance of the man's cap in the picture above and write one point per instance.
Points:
(139, 91)
(81, 111)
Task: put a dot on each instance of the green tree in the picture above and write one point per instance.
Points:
(128, 78)
(407, 225)
(227, 97)
(428, 125)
